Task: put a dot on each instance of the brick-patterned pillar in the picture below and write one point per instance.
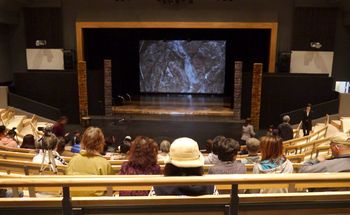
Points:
(108, 87)
(256, 94)
(82, 88)
(237, 90)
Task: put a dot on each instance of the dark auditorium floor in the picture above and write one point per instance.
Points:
(198, 130)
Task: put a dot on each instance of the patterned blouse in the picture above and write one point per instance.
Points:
(126, 169)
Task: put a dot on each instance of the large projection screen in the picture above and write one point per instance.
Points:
(181, 66)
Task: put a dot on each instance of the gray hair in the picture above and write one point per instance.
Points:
(286, 118)
(253, 145)
(164, 146)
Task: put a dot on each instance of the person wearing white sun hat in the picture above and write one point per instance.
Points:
(184, 159)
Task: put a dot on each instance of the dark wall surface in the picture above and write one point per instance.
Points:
(58, 89)
(286, 92)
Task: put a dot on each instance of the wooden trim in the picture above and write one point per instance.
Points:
(300, 178)
(273, 26)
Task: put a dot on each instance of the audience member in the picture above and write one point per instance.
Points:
(142, 160)
(184, 159)
(59, 127)
(75, 142)
(285, 130)
(5, 140)
(272, 161)
(164, 148)
(28, 142)
(209, 146)
(340, 161)
(212, 157)
(307, 120)
(123, 149)
(61, 148)
(247, 131)
(227, 153)
(89, 161)
(253, 147)
(110, 146)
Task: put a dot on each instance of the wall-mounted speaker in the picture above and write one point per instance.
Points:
(283, 62)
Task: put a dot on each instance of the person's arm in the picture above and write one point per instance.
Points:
(252, 131)
(313, 166)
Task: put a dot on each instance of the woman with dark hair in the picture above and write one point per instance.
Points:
(212, 157)
(272, 161)
(28, 142)
(227, 153)
(142, 160)
(184, 159)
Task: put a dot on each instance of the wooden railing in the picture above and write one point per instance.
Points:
(330, 202)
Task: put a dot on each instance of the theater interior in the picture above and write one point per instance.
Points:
(161, 106)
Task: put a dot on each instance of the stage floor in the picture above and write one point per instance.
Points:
(178, 105)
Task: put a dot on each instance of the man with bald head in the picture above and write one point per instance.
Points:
(340, 161)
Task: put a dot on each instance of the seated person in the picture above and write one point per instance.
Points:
(164, 148)
(28, 142)
(340, 161)
(184, 160)
(111, 145)
(142, 160)
(75, 142)
(253, 147)
(89, 161)
(227, 153)
(272, 161)
(123, 149)
(5, 140)
(212, 157)
(285, 130)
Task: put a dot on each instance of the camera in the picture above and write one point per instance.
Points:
(48, 141)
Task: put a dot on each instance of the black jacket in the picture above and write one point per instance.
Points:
(285, 131)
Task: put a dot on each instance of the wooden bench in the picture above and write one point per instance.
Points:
(308, 149)
(281, 203)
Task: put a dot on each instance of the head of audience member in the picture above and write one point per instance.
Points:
(340, 145)
(12, 134)
(2, 131)
(110, 145)
(271, 147)
(216, 142)
(253, 146)
(93, 141)
(286, 119)
(209, 146)
(61, 144)
(164, 146)
(124, 148)
(184, 159)
(247, 121)
(228, 150)
(63, 120)
(28, 142)
(308, 107)
(143, 152)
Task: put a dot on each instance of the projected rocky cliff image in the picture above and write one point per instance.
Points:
(180, 66)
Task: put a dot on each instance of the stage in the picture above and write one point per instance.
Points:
(173, 107)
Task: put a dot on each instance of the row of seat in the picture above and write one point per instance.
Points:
(22, 123)
(288, 203)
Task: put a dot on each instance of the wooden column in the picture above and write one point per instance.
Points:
(237, 90)
(108, 87)
(82, 88)
(256, 95)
